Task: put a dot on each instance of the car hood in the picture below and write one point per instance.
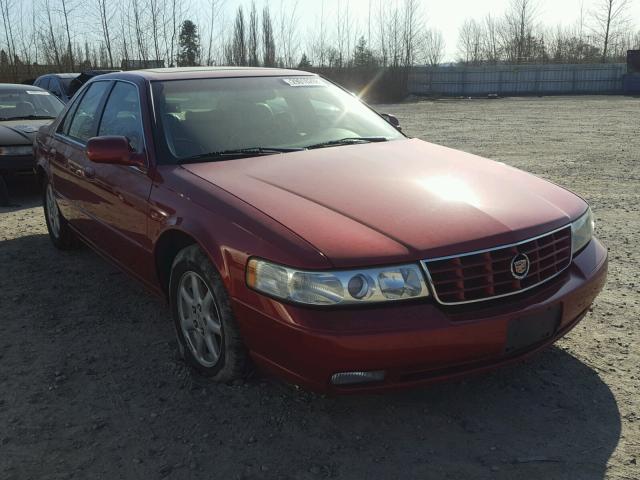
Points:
(395, 201)
(20, 132)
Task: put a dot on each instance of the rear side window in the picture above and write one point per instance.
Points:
(54, 87)
(84, 122)
(64, 125)
(122, 115)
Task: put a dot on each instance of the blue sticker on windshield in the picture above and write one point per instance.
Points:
(305, 82)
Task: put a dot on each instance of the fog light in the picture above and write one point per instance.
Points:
(350, 378)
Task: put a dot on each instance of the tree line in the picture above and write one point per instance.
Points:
(75, 35)
(602, 33)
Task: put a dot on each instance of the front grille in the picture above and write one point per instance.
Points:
(487, 274)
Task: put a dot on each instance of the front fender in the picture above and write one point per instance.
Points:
(227, 229)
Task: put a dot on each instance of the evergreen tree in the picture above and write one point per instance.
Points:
(189, 42)
(362, 55)
(304, 62)
(268, 42)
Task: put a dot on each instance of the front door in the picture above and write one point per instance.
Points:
(121, 193)
(68, 157)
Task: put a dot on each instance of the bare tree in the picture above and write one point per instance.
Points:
(519, 24)
(609, 19)
(139, 29)
(215, 7)
(175, 20)
(155, 13)
(51, 41)
(6, 7)
(66, 12)
(432, 47)
(470, 40)
(126, 43)
(287, 32)
(393, 36)
(491, 50)
(412, 18)
(105, 21)
(342, 32)
(318, 42)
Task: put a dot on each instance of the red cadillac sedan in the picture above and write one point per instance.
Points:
(289, 224)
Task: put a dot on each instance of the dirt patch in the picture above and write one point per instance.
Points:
(92, 387)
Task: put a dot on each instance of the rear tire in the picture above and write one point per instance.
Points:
(60, 233)
(208, 335)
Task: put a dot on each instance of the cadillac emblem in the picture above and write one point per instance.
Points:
(520, 266)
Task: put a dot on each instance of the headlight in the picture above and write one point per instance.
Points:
(21, 150)
(370, 285)
(582, 231)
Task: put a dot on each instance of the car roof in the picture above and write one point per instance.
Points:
(181, 73)
(18, 86)
(59, 75)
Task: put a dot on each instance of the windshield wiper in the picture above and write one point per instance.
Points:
(348, 141)
(237, 153)
(29, 117)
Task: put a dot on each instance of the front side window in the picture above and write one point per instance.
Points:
(122, 115)
(83, 124)
(17, 104)
(200, 116)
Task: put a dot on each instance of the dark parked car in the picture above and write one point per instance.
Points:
(288, 223)
(65, 85)
(59, 84)
(23, 109)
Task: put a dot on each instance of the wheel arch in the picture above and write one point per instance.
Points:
(168, 245)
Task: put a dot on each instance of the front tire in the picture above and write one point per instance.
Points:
(60, 233)
(207, 333)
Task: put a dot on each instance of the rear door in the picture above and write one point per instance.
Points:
(120, 193)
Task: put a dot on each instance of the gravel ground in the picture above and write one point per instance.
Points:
(91, 386)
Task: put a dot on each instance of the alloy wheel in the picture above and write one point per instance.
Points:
(199, 319)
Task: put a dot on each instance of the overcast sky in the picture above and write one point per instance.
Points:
(447, 15)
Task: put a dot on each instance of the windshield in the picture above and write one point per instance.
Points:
(203, 116)
(24, 104)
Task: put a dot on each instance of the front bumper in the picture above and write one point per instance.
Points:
(17, 163)
(414, 343)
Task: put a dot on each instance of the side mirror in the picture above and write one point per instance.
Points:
(113, 150)
(392, 119)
